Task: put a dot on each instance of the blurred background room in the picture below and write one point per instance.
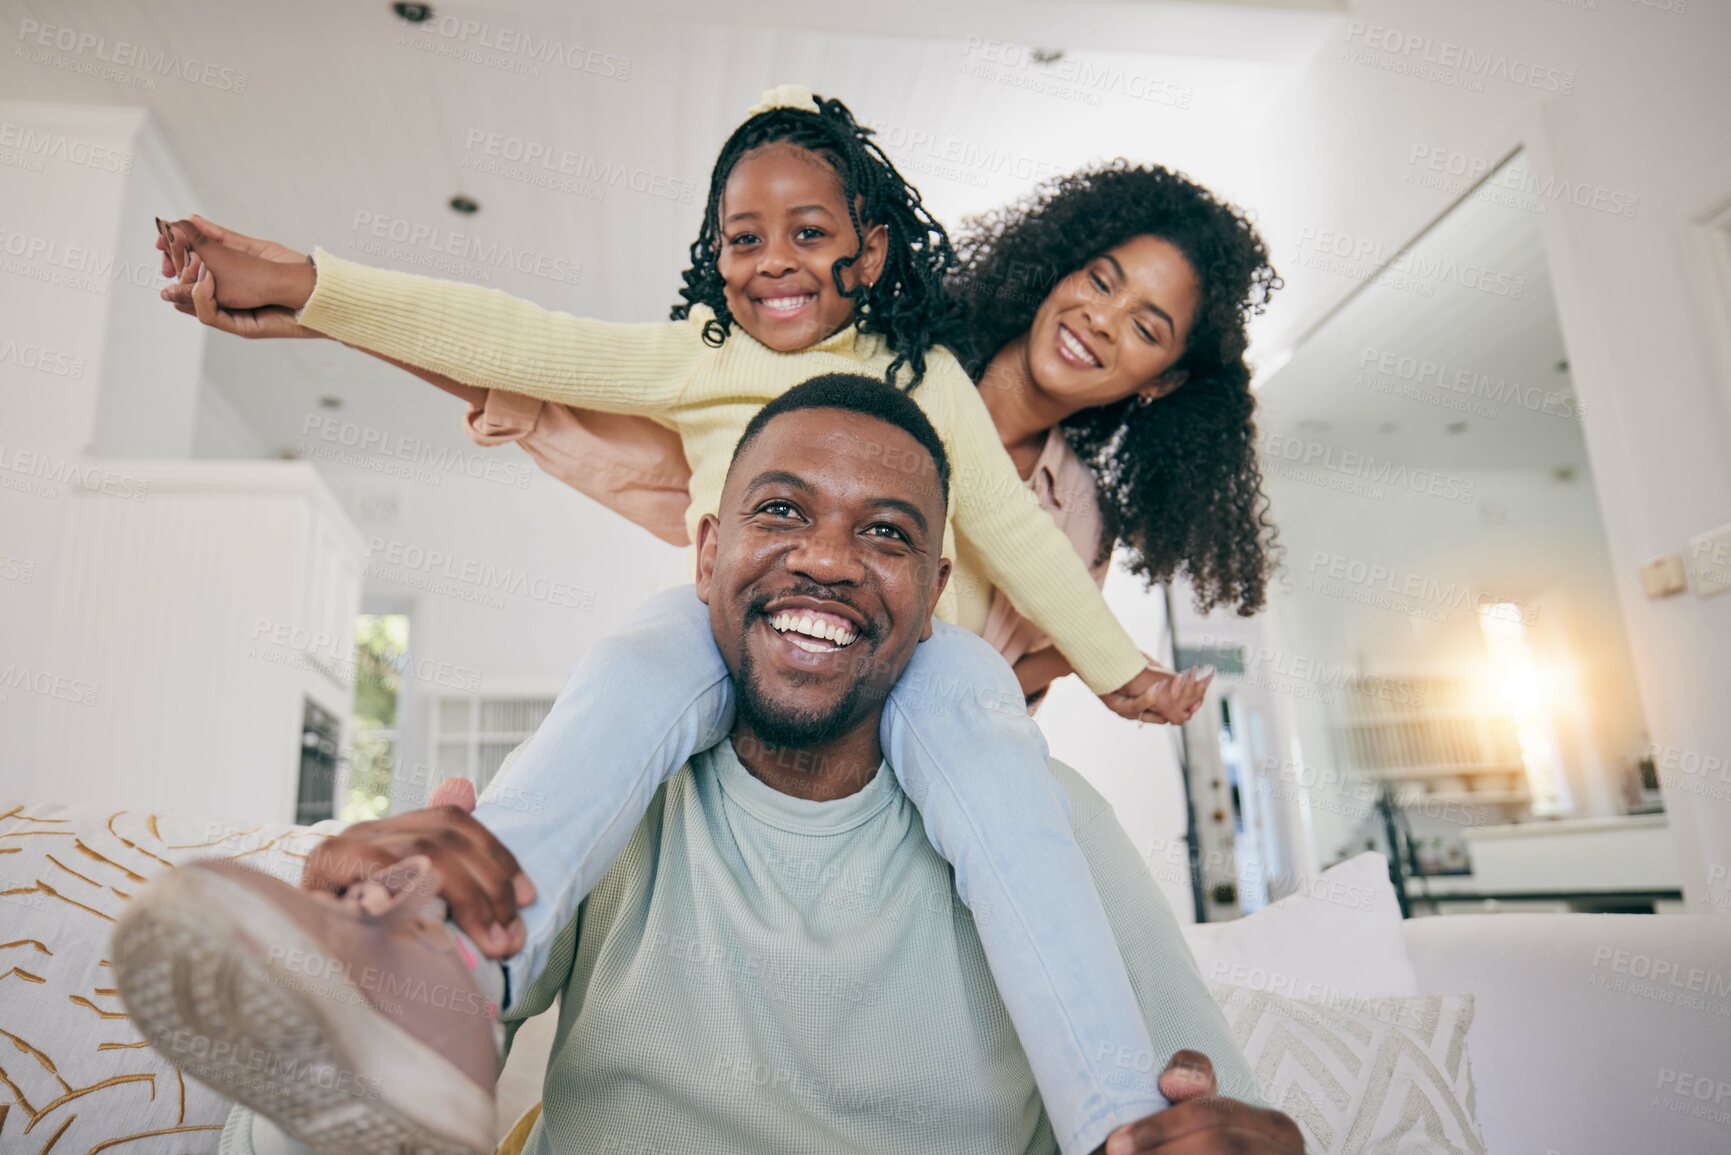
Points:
(277, 580)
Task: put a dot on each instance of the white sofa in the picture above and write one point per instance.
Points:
(1593, 1034)
(1565, 1062)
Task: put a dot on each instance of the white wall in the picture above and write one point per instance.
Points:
(150, 378)
(219, 430)
(1648, 115)
(82, 371)
(1135, 767)
(507, 580)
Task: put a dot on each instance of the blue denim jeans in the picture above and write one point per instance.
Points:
(957, 735)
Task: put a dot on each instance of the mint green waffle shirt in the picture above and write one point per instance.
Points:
(760, 973)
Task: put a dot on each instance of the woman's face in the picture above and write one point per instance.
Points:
(1116, 326)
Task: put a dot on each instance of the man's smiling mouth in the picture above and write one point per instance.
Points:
(812, 631)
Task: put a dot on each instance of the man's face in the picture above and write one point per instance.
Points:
(822, 571)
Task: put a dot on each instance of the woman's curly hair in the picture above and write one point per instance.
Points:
(909, 304)
(1179, 481)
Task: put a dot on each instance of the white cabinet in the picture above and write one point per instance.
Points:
(207, 611)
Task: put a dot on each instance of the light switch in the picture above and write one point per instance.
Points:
(1663, 576)
(1710, 559)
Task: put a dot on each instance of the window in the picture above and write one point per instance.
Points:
(472, 735)
(381, 645)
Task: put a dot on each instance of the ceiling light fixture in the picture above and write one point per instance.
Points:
(464, 205)
(414, 13)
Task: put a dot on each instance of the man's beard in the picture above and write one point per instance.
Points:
(783, 727)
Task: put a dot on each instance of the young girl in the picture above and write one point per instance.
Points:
(814, 256)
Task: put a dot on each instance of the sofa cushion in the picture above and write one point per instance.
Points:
(77, 1075)
(1340, 935)
(1367, 1076)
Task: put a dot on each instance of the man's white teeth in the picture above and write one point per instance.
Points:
(795, 622)
(1077, 349)
(788, 304)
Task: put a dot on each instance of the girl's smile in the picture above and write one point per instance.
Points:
(784, 225)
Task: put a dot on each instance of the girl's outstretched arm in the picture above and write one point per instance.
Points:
(194, 294)
(627, 463)
(471, 335)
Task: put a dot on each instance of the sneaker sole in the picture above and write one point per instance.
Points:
(191, 960)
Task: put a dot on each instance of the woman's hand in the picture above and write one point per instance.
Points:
(1038, 670)
(245, 280)
(252, 246)
(1157, 695)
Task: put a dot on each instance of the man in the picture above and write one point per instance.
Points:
(777, 962)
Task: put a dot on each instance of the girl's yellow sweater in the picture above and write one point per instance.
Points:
(487, 338)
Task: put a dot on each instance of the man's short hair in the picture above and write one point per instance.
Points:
(855, 393)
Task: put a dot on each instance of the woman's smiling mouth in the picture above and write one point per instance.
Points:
(1074, 350)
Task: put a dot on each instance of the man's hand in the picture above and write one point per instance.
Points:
(481, 880)
(1157, 695)
(245, 280)
(1199, 1122)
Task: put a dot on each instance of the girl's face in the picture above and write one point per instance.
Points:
(783, 224)
(1116, 326)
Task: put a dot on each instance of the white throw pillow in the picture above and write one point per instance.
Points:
(1341, 935)
(79, 1076)
(1362, 1076)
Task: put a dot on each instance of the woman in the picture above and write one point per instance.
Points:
(1104, 319)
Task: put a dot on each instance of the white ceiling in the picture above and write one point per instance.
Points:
(1508, 347)
(341, 119)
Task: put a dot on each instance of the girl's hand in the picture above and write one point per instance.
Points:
(252, 246)
(1157, 695)
(245, 280)
(197, 296)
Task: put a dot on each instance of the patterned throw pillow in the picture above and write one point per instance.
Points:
(1362, 1076)
(74, 1074)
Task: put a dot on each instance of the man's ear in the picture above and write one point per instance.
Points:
(943, 579)
(870, 265)
(707, 528)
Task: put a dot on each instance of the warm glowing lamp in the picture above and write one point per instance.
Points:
(1524, 690)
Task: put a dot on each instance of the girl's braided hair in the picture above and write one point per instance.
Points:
(908, 304)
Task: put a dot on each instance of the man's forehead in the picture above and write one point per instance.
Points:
(835, 446)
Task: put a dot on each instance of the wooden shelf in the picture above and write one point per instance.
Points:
(1483, 797)
(1396, 774)
(1365, 722)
